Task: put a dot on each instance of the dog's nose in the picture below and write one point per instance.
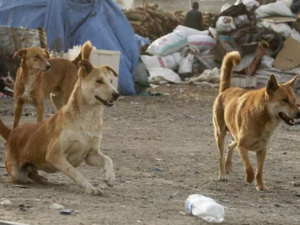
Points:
(116, 95)
(48, 66)
(298, 115)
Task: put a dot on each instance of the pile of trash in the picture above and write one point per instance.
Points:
(267, 36)
(153, 22)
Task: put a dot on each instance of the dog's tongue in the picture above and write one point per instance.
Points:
(286, 119)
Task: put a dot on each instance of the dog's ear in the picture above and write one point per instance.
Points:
(20, 54)
(47, 53)
(292, 81)
(272, 85)
(112, 70)
(85, 66)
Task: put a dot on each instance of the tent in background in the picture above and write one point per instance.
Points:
(72, 22)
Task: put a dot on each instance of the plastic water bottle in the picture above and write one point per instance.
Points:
(206, 208)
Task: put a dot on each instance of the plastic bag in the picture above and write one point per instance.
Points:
(250, 4)
(225, 24)
(186, 64)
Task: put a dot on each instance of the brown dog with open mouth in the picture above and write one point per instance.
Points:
(251, 118)
(73, 135)
(38, 77)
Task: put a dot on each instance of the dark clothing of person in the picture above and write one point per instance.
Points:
(194, 19)
(295, 7)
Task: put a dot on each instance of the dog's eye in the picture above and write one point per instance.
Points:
(37, 56)
(285, 100)
(99, 81)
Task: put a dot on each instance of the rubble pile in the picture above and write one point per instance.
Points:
(263, 33)
(153, 22)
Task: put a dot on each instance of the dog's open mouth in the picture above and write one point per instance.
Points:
(286, 119)
(106, 103)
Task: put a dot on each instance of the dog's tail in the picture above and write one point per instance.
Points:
(4, 130)
(230, 60)
(85, 52)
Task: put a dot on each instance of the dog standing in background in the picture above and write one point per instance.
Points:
(38, 77)
(251, 118)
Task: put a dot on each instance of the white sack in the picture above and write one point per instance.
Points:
(190, 31)
(273, 9)
(170, 43)
(203, 42)
(171, 61)
(282, 28)
(163, 75)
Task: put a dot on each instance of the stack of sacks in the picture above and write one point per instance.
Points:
(166, 51)
(280, 8)
(229, 23)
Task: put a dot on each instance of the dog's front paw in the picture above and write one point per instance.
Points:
(249, 176)
(261, 188)
(110, 178)
(228, 167)
(223, 178)
(93, 191)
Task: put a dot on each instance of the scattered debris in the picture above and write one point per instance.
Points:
(257, 31)
(21, 186)
(67, 211)
(6, 202)
(56, 206)
(2, 222)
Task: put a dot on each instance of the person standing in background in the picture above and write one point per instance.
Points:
(193, 18)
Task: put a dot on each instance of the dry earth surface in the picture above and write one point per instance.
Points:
(163, 150)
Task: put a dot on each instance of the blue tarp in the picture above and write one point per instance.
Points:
(72, 22)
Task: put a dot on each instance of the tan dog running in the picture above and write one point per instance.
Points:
(251, 117)
(71, 136)
(38, 77)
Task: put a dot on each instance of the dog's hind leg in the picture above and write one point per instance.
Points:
(97, 158)
(33, 175)
(259, 173)
(247, 165)
(220, 133)
(228, 160)
(20, 175)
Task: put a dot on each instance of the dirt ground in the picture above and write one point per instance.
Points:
(163, 150)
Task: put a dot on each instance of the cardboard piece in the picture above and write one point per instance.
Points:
(280, 19)
(288, 58)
